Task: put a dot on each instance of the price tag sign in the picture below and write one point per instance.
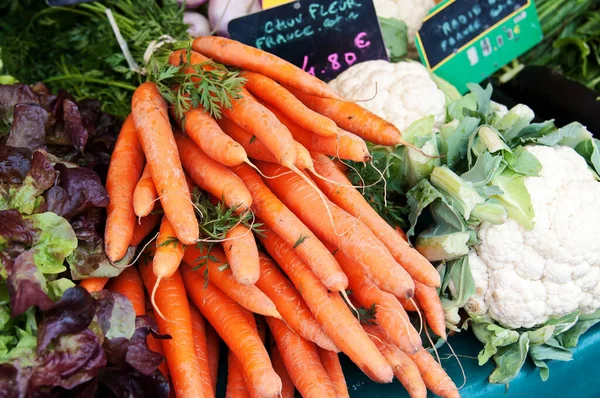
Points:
(274, 3)
(465, 41)
(323, 37)
(56, 3)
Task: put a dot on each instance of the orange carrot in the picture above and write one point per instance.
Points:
(429, 301)
(207, 134)
(277, 96)
(278, 217)
(354, 239)
(303, 159)
(156, 346)
(213, 346)
(167, 256)
(93, 284)
(126, 164)
(242, 254)
(250, 297)
(199, 332)
(434, 376)
(345, 145)
(354, 118)
(151, 118)
(229, 321)
(389, 313)
(144, 227)
(213, 177)
(290, 304)
(351, 200)
(302, 361)
(180, 352)
(404, 368)
(236, 54)
(408, 304)
(144, 195)
(331, 363)
(330, 310)
(129, 284)
(287, 389)
(236, 386)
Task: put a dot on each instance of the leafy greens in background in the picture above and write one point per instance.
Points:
(470, 171)
(74, 47)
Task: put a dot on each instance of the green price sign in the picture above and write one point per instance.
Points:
(465, 41)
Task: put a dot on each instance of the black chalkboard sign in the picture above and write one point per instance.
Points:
(56, 3)
(458, 23)
(323, 37)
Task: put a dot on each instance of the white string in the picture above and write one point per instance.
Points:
(133, 66)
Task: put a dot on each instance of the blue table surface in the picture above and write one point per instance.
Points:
(579, 377)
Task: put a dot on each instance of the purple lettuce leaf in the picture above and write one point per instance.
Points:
(26, 286)
(14, 164)
(114, 314)
(139, 356)
(81, 189)
(42, 172)
(73, 125)
(29, 127)
(13, 94)
(71, 314)
(15, 229)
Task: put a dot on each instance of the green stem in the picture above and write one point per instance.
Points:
(85, 79)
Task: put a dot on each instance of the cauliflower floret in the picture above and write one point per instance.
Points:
(401, 93)
(523, 278)
(412, 12)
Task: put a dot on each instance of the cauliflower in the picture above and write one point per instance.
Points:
(401, 93)
(524, 277)
(412, 12)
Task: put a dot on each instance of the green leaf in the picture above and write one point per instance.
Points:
(438, 246)
(395, 37)
(461, 194)
(509, 360)
(484, 169)
(511, 124)
(455, 141)
(450, 92)
(418, 166)
(56, 288)
(300, 240)
(492, 335)
(418, 198)
(483, 97)
(570, 338)
(456, 110)
(490, 211)
(457, 286)
(515, 197)
(523, 162)
(53, 244)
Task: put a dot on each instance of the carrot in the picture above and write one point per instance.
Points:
(213, 346)
(302, 361)
(330, 310)
(156, 345)
(151, 118)
(229, 321)
(331, 363)
(351, 200)
(129, 284)
(144, 227)
(303, 159)
(213, 177)
(287, 389)
(356, 240)
(93, 284)
(408, 304)
(255, 148)
(290, 304)
(144, 195)
(274, 94)
(278, 217)
(345, 145)
(389, 313)
(434, 376)
(404, 368)
(199, 333)
(167, 256)
(242, 254)
(207, 134)
(429, 301)
(126, 164)
(183, 363)
(231, 52)
(236, 387)
(249, 297)
(354, 118)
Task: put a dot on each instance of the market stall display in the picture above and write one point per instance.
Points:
(194, 216)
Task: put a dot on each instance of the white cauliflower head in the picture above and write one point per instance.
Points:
(524, 277)
(401, 93)
(412, 12)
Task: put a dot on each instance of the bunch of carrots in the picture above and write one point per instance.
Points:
(323, 250)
